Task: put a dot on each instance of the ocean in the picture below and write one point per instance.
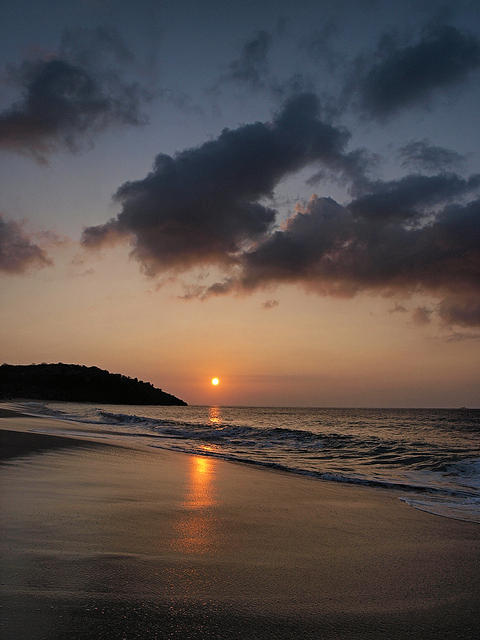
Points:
(430, 457)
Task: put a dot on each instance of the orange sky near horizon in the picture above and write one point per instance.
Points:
(308, 350)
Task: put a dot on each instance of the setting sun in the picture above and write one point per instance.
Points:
(215, 381)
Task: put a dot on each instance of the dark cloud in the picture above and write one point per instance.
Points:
(335, 251)
(18, 252)
(462, 310)
(345, 251)
(409, 75)
(420, 154)
(251, 67)
(205, 204)
(411, 195)
(67, 98)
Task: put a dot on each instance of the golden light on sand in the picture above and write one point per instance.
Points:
(215, 382)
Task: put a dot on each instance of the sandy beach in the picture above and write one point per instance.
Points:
(113, 542)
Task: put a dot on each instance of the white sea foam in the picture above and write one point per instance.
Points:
(467, 509)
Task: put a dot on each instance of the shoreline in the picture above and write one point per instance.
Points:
(111, 437)
(118, 541)
(407, 492)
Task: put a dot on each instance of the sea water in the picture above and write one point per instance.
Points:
(431, 457)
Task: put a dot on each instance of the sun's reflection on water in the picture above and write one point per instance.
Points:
(214, 415)
(196, 531)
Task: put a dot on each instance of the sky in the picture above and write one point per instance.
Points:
(285, 195)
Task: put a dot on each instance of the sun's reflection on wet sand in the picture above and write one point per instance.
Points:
(196, 531)
(199, 494)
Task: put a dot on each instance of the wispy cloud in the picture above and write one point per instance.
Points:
(422, 155)
(270, 304)
(18, 251)
(251, 67)
(406, 76)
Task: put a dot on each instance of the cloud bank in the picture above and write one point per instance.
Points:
(209, 206)
(335, 250)
(206, 204)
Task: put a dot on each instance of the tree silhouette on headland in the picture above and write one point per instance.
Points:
(78, 383)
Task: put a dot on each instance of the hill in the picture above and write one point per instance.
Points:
(78, 383)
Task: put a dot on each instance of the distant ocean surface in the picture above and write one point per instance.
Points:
(431, 456)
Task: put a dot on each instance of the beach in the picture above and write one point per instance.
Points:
(121, 541)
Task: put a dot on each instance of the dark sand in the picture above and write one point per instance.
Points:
(111, 542)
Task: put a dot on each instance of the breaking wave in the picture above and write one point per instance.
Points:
(432, 457)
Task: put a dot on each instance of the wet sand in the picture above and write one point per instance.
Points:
(113, 542)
